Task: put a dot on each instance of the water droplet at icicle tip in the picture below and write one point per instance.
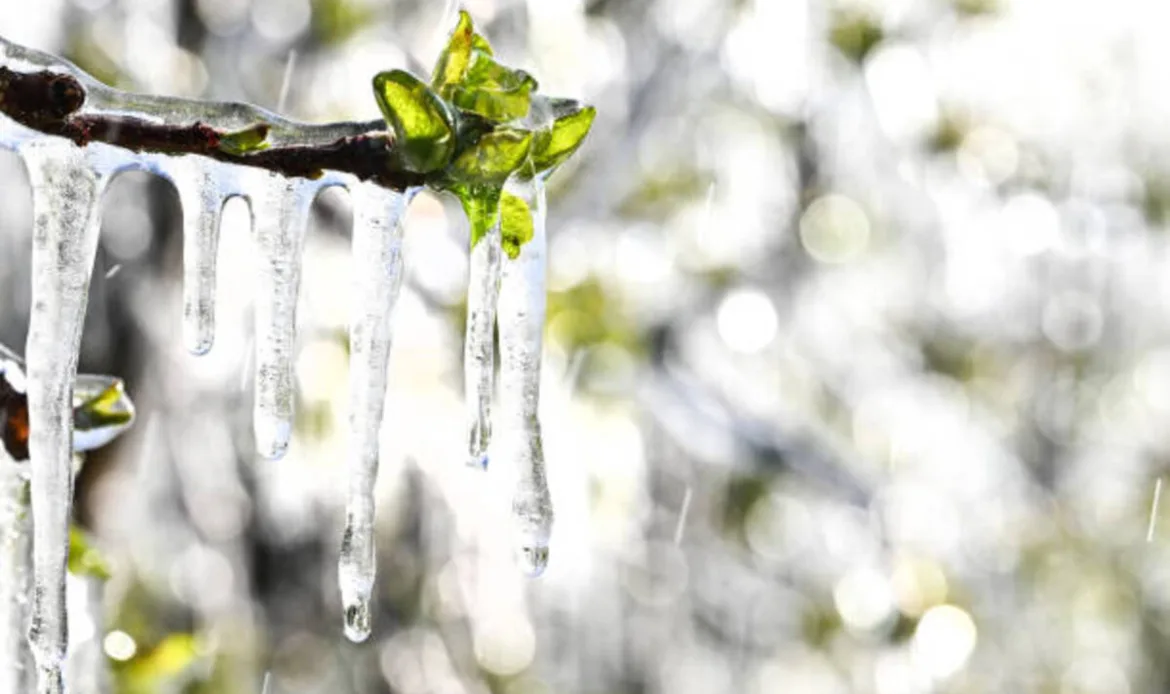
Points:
(477, 447)
(273, 434)
(357, 621)
(532, 558)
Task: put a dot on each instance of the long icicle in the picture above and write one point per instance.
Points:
(281, 215)
(483, 287)
(521, 325)
(66, 192)
(16, 665)
(201, 201)
(377, 254)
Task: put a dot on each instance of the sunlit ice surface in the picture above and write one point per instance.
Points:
(892, 316)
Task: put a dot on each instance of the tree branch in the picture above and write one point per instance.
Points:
(50, 102)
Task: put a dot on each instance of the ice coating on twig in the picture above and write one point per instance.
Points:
(483, 287)
(521, 324)
(66, 190)
(377, 256)
(280, 215)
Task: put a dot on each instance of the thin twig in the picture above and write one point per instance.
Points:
(50, 103)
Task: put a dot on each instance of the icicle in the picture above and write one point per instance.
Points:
(16, 666)
(483, 288)
(201, 200)
(377, 254)
(521, 325)
(281, 216)
(65, 229)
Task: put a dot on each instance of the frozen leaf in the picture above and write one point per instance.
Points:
(101, 411)
(492, 90)
(479, 43)
(481, 204)
(515, 224)
(553, 146)
(491, 160)
(479, 173)
(453, 61)
(251, 139)
(422, 122)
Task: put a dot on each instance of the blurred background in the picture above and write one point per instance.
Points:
(856, 369)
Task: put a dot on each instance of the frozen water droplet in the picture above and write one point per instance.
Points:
(483, 287)
(377, 255)
(477, 446)
(357, 622)
(533, 559)
(356, 570)
(520, 318)
(49, 680)
(480, 463)
(201, 202)
(273, 434)
(281, 214)
(66, 191)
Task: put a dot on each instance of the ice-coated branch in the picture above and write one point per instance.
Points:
(53, 103)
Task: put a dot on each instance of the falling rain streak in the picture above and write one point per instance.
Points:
(1154, 510)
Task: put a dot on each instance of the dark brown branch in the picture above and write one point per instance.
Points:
(50, 102)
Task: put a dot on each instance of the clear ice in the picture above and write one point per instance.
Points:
(520, 315)
(16, 666)
(67, 183)
(280, 216)
(377, 257)
(201, 202)
(66, 189)
(483, 287)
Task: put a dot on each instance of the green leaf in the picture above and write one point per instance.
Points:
(479, 43)
(453, 61)
(101, 411)
(422, 122)
(554, 145)
(253, 138)
(492, 90)
(481, 203)
(83, 559)
(516, 227)
(491, 160)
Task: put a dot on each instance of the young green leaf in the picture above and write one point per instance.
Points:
(83, 559)
(493, 90)
(554, 145)
(453, 61)
(481, 204)
(515, 224)
(422, 122)
(253, 138)
(101, 411)
(479, 43)
(491, 160)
